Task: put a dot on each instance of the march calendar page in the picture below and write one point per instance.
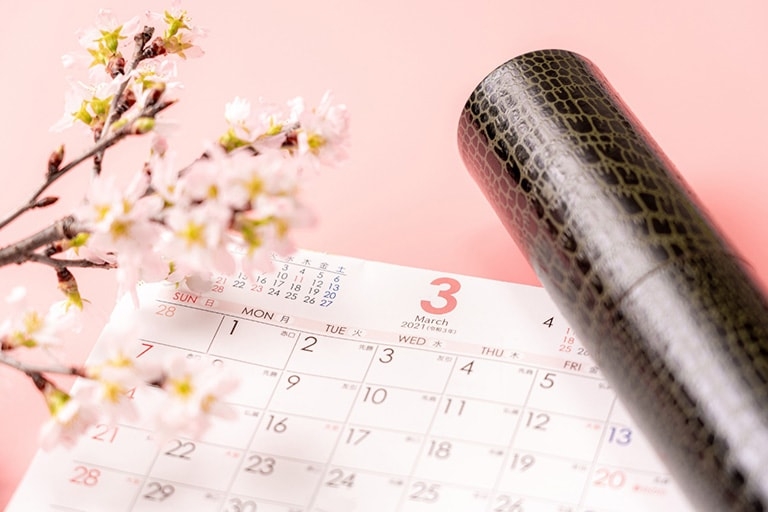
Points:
(365, 387)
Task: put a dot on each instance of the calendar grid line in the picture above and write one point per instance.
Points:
(341, 406)
(346, 339)
(208, 348)
(246, 450)
(427, 434)
(585, 491)
(144, 479)
(266, 500)
(380, 341)
(400, 431)
(516, 364)
(371, 339)
(309, 267)
(512, 438)
(327, 464)
(366, 338)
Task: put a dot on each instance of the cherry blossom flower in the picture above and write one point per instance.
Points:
(27, 327)
(78, 248)
(86, 103)
(195, 395)
(108, 36)
(178, 223)
(265, 230)
(102, 43)
(152, 75)
(122, 222)
(120, 218)
(324, 133)
(263, 127)
(213, 180)
(198, 238)
(70, 418)
(272, 173)
(179, 34)
(108, 393)
(188, 278)
(164, 171)
(238, 113)
(115, 373)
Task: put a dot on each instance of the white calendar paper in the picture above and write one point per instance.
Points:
(367, 387)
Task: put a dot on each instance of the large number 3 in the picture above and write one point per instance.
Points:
(447, 294)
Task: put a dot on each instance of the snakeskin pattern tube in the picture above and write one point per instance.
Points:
(657, 296)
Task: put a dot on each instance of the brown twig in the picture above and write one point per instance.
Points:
(99, 147)
(61, 263)
(22, 250)
(113, 114)
(36, 371)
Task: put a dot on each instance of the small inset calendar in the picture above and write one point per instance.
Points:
(367, 387)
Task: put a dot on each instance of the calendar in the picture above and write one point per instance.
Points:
(367, 387)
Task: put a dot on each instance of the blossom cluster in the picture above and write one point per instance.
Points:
(170, 221)
(174, 223)
(191, 393)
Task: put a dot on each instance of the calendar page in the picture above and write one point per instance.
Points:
(367, 387)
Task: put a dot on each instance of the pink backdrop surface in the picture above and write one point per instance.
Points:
(694, 72)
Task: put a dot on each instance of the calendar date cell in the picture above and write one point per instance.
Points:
(475, 420)
(178, 325)
(295, 436)
(255, 383)
(348, 489)
(251, 341)
(162, 495)
(523, 503)
(624, 444)
(571, 394)
(378, 450)
(410, 368)
(79, 485)
(433, 496)
(557, 434)
(234, 431)
(459, 462)
(248, 504)
(189, 461)
(637, 491)
(394, 408)
(490, 380)
(340, 358)
(279, 479)
(544, 476)
(310, 395)
(118, 446)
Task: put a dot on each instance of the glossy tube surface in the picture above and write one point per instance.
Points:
(660, 300)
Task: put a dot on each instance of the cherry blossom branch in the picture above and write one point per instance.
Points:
(113, 114)
(170, 222)
(21, 251)
(60, 263)
(32, 369)
(54, 174)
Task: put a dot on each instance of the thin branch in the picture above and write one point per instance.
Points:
(53, 176)
(141, 39)
(99, 147)
(60, 263)
(33, 369)
(21, 251)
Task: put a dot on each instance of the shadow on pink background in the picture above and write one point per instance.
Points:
(693, 72)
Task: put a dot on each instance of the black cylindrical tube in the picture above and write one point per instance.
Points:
(658, 297)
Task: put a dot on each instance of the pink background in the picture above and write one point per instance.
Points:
(694, 72)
